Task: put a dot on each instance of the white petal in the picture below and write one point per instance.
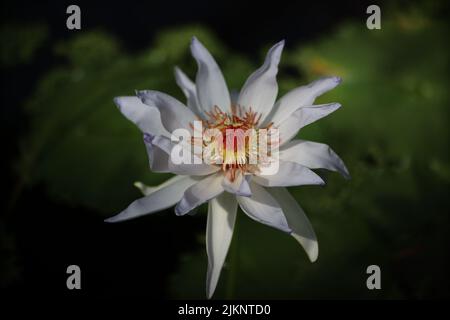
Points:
(211, 87)
(174, 114)
(189, 90)
(302, 117)
(195, 168)
(301, 97)
(262, 207)
(234, 96)
(158, 158)
(313, 155)
(145, 117)
(239, 186)
(192, 169)
(204, 190)
(161, 199)
(302, 230)
(289, 174)
(219, 231)
(260, 90)
(147, 190)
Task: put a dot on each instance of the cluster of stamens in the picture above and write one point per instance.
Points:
(232, 147)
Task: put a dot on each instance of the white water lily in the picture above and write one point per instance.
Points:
(263, 198)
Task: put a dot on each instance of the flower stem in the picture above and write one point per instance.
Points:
(233, 263)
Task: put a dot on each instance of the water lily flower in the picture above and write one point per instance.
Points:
(232, 183)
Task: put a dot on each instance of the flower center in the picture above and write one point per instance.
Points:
(234, 141)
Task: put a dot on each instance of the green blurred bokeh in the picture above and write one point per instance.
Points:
(392, 132)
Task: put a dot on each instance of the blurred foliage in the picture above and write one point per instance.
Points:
(20, 42)
(392, 132)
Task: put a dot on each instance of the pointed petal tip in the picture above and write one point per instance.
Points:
(138, 184)
(116, 101)
(181, 78)
(346, 173)
(179, 73)
(333, 106)
(281, 43)
(195, 43)
(310, 246)
(176, 71)
(336, 79)
(344, 170)
(209, 287)
(314, 254)
(198, 50)
(275, 51)
(316, 179)
(110, 220)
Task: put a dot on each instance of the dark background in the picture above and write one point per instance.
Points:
(41, 235)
